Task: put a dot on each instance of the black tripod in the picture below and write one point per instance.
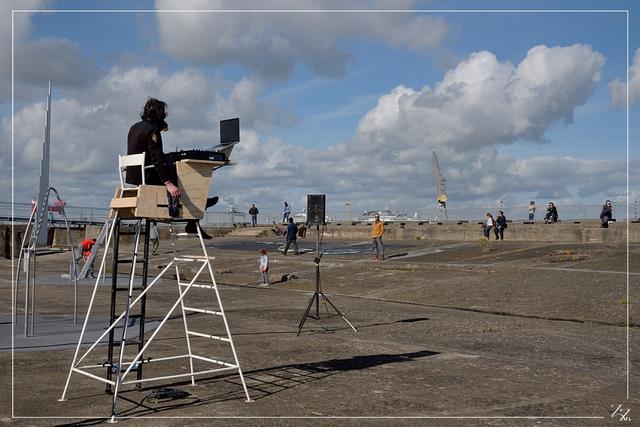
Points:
(318, 293)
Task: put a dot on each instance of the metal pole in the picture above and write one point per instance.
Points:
(318, 270)
(26, 291)
(33, 294)
(20, 265)
(115, 230)
(143, 303)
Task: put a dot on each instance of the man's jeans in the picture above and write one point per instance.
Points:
(295, 246)
(254, 220)
(378, 247)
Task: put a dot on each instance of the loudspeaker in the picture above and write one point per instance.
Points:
(315, 209)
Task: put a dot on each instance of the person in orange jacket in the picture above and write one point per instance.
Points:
(377, 230)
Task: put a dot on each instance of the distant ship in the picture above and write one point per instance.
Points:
(386, 215)
(301, 217)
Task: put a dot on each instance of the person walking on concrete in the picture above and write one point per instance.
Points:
(501, 224)
(154, 238)
(607, 214)
(253, 211)
(292, 235)
(84, 251)
(552, 214)
(532, 210)
(377, 230)
(491, 223)
(286, 212)
(264, 268)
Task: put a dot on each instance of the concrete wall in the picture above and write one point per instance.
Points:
(538, 232)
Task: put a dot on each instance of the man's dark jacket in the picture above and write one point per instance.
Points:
(145, 137)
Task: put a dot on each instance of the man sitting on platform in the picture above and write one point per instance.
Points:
(145, 137)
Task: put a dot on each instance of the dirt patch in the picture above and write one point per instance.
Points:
(567, 255)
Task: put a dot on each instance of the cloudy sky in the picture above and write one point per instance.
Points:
(518, 106)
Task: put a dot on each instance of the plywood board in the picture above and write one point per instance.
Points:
(194, 179)
(152, 202)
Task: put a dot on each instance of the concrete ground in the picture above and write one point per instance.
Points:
(449, 333)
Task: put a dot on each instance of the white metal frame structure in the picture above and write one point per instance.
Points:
(121, 367)
(28, 256)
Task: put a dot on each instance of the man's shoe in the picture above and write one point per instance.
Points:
(204, 235)
(191, 228)
(211, 201)
(283, 253)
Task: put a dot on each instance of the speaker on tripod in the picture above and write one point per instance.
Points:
(315, 216)
(315, 209)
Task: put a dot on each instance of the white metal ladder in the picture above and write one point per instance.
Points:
(123, 368)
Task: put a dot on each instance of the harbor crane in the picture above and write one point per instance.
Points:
(441, 186)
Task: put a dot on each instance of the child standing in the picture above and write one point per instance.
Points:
(264, 268)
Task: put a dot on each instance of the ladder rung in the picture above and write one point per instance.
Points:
(126, 288)
(129, 260)
(196, 285)
(200, 310)
(186, 234)
(213, 337)
(193, 258)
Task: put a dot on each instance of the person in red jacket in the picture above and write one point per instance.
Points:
(85, 248)
(84, 251)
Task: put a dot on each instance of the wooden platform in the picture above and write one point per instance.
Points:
(150, 201)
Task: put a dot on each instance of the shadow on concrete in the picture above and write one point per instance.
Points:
(326, 330)
(396, 255)
(262, 383)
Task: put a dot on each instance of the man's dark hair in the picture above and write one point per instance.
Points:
(154, 110)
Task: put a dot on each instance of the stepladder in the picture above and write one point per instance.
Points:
(191, 308)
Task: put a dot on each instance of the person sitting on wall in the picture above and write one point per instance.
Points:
(501, 224)
(606, 214)
(491, 223)
(552, 214)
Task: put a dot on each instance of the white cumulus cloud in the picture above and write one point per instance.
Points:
(619, 88)
(483, 101)
(270, 44)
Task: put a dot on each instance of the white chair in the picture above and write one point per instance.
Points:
(131, 160)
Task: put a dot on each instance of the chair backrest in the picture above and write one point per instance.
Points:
(127, 161)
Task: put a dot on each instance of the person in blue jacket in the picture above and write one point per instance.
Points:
(292, 235)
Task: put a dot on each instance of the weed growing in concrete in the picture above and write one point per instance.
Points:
(485, 245)
(566, 255)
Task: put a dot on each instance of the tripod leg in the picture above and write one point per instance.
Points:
(324, 301)
(306, 313)
(338, 311)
